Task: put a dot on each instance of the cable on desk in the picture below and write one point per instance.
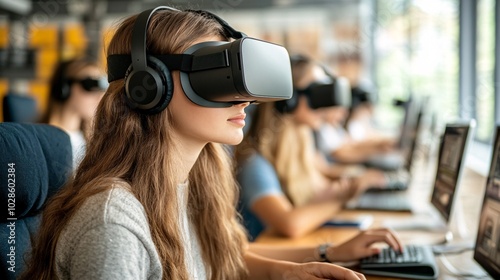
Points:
(452, 249)
(456, 273)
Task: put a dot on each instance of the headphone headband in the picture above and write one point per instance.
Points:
(139, 37)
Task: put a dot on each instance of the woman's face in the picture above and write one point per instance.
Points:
(201, 124)
(82, 101)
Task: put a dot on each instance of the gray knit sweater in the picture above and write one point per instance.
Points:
(109, 238)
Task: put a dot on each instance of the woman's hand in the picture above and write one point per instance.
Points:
(360, 246)
(341, 190)
(370, 178)
(314, 271)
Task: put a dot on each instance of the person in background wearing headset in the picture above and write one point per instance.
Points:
(356, 148)
(154, 196)
(360, 123)
(76, 88)
(283, 189)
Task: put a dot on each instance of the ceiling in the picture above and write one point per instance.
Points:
(17, 8)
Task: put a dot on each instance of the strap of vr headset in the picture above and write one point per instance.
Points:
(118, 64)
(229, 31)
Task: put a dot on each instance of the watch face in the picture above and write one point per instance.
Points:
(322, 249)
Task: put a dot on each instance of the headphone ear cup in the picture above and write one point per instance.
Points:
(65, 90)
(287, 105)
(59, 85)
(149, 91)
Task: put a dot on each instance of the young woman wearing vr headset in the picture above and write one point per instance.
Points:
(282, 186)
(154, 196)
(76, 88)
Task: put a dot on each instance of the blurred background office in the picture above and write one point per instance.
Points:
(441, 51)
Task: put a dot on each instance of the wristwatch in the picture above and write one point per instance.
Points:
(322, 252)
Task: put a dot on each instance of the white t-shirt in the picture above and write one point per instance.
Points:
(78, 146)
(330, 137)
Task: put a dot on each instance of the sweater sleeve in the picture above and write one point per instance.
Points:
(109, 252)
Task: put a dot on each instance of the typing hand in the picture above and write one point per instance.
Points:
(341, 190)
(386, 145)
(360, 246)
(315, 271)
(370, 178)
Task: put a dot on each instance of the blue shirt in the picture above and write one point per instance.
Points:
(257, 178)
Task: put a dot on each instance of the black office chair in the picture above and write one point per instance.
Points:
(19, 108)
(35, 162)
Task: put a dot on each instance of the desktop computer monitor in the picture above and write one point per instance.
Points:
(408, 127)
(414, 138)
(487, 249)
(448, 172)
(452, 156)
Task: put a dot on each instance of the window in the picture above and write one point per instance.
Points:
(417, 53)
(485, 65)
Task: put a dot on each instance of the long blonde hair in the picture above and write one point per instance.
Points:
(137, 150)
(288, 146)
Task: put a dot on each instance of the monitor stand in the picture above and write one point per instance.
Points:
(462, 265)
(458, 232)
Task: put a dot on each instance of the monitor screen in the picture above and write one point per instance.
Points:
(411, 110)
(487, 250)
(451, 159)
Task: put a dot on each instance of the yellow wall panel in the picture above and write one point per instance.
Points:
(4, 86)
(75, 41)
(44, 37)
(4, 36)
(46, 61)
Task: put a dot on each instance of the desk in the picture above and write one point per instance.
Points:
(469, 200)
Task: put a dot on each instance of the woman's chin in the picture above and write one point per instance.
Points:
(235, 140)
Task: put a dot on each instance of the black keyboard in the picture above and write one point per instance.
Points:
(415, 262)
(411, 254)
(382, 201)
(396, 181)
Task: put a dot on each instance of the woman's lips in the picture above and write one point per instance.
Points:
(238, 120)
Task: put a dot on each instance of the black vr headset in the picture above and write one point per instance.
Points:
(361, 96)
(320, 95)
(213, 74)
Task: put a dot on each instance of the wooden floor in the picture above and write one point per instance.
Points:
(463, 223)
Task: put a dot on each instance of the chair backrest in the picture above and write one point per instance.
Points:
(19, 108)
(35, 162)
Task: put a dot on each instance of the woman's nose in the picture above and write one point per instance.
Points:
(242, 104)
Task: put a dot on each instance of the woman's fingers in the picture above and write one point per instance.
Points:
(385, 235)
(330, 271)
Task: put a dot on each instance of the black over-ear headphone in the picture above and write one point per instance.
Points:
(148, 82)
(288, 105)
(60, 86)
